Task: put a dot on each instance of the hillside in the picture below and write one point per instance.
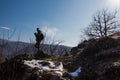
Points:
(99, 59)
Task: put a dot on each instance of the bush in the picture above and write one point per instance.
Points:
(11, 70)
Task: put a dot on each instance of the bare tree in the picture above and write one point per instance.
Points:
(4, 39)
(103, 24)
(17, 45)
(53, 46)
(50, 45)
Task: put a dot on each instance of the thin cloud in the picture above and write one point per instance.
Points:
(49, 31)
(6, 28)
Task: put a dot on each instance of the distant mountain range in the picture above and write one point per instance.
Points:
(12, 48)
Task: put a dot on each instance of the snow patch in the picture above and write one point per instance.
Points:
(38, 64)
(76, 72)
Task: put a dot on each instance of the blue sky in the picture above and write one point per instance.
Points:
(61, 19)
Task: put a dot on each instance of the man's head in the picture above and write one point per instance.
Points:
(37, 29)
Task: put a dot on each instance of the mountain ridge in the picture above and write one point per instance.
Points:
(13, 48)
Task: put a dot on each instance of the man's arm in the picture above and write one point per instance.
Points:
(35, 34)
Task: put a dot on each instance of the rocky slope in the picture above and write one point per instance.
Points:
(99, 59)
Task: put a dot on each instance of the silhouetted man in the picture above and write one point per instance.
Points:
(39, 37)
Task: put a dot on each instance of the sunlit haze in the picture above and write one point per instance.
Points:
(114, 3)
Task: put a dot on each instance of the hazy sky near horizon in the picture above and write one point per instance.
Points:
(61, 19)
